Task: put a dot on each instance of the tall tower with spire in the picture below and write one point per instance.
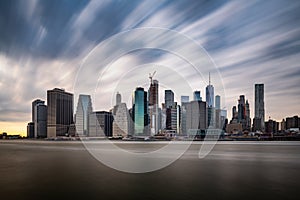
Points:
(210, 94)
(210, 104)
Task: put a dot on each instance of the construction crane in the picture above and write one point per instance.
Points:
(151, 76)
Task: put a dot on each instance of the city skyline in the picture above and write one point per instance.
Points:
(35, 55)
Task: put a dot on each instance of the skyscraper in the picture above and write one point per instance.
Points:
(101, 124)
(34, 120)
(241, 109)
(30, 130)
(210, 94)
(184, 99)
(172, 117)
(197, 96)
(121, 119)
(60, 112)
(218, 102)
(40, 120)
(259, 112)
(153, 93)
(34, 103)
(247, 115)
(140, 112)
(84, 108)
(196, 116)
(118, 98)
(210, 105)
(169, 98)
(218, 120)
(154, 110)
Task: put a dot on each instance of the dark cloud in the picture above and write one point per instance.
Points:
(21, 24)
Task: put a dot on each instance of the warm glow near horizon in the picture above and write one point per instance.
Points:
(14, 128)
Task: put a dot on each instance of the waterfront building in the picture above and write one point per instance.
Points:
(271, 126)
(84, 109)
(196, 116)
(210, 105)
(169, 98)
(210, 94)
(154, 110)
(121, 118)
(259, 112)
(40, 120)
(292, 122)
(100, 124)
(59, 113)
(30, 130)
(140, 112)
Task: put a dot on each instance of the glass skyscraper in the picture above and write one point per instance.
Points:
(84, 109)
(169, 98)
(197, 96)
(140, 112)
(210, 95)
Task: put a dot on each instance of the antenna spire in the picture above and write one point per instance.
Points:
(209, 77)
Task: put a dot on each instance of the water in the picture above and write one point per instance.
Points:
(233, 170)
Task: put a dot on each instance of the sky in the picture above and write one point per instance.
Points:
(45, 44)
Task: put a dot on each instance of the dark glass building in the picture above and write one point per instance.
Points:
(197, 96)
(140, 112)
(259, 112)
(34, 103)
(30, 130)
(169, 98)
(40, 120)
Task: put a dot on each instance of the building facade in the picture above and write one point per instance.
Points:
(218, 102)
(169, 98)
(101, 124)
(83, 111)
(259, 112)
(121, 120)
(196, 116)
(140, 112)
(40, 120)
(59, 113)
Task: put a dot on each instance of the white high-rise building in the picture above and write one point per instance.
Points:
(121, 118)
